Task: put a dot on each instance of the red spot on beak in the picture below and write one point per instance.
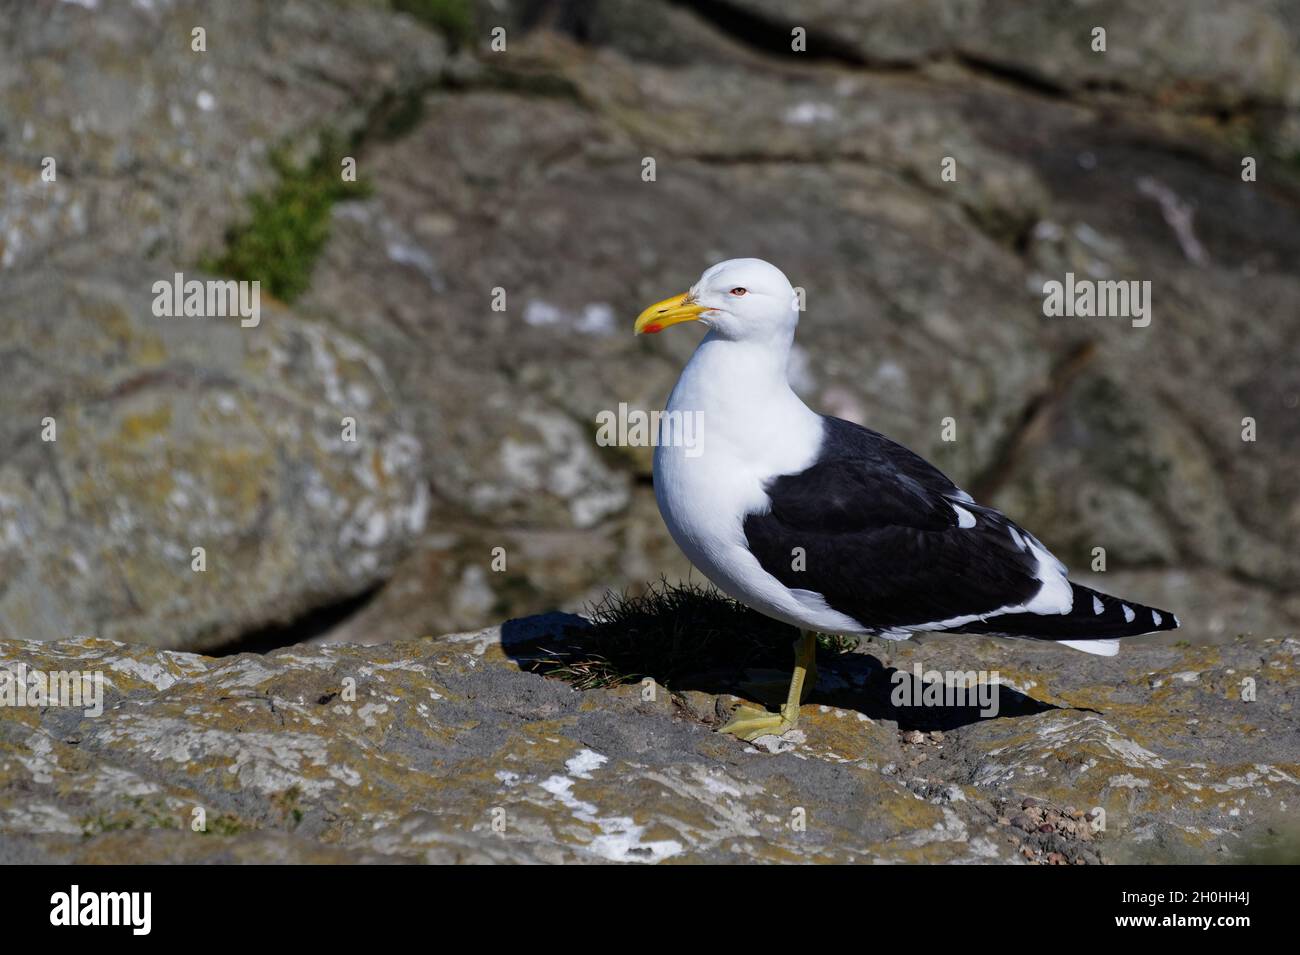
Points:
(651, 329)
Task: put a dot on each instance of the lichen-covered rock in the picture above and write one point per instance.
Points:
(129, 440)
(519, 172)
(447, 750)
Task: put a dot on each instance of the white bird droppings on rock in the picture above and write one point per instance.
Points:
(581, 765)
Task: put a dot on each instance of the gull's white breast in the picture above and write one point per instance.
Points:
(743, 438)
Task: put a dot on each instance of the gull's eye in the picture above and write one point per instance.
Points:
(738, 290)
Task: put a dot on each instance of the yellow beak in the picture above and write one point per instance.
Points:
(671, 311)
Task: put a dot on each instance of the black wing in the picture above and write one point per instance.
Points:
(881, 539)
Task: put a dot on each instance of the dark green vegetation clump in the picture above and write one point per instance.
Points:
(672, 633)
(289, 225)
(454, 19)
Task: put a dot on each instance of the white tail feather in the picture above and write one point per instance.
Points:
(1102, 648)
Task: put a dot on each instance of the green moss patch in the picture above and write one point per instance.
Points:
(289, 225)
(454, 19)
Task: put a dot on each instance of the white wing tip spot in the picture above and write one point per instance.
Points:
(1129, 615)
(1156, 618)
(964, 517)
(1097, 607)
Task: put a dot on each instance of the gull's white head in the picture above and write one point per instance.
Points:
(740, 299)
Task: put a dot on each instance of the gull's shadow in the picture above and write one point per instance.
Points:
(721, 659)
(858, 681)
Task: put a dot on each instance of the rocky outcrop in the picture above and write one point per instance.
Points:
(450, 749)
(183, 481)
(167, 434)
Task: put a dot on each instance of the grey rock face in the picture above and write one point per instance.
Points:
(177, 433)
(158, 145)
(171, 434)
(1184, 53)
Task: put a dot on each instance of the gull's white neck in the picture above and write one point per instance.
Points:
(746, 406)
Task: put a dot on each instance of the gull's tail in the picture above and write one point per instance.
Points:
(1094, 617)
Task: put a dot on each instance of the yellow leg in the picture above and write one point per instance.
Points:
(749, 722)
(774, 692)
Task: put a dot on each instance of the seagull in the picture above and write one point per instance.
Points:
(829, 526)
